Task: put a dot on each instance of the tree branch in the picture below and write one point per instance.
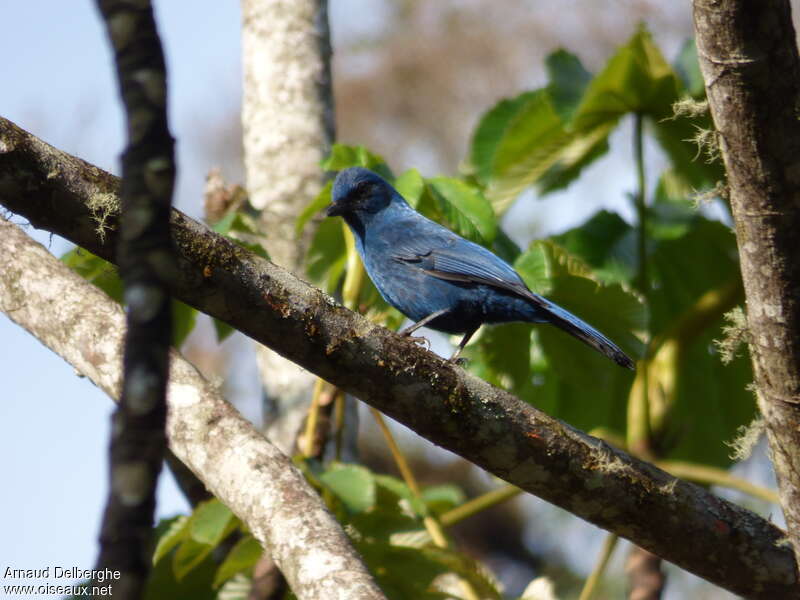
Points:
(80, 323)
(138, 439)
(749, 59)
(679, 521)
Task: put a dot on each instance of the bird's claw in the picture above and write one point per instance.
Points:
(422, 341)
(459, 361)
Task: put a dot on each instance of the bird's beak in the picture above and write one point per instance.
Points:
(333, 210)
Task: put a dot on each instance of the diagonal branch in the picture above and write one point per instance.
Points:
(750, 63)
(83, 325)
(138, 439)
(729, 545)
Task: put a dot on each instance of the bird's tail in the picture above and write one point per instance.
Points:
(563, 319)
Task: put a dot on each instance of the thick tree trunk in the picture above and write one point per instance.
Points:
(749, 60)
(287, 119)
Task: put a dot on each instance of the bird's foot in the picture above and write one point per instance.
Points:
(422, 341)
(459, 360)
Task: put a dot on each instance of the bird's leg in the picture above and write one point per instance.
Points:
(422, 322)
(464, 340)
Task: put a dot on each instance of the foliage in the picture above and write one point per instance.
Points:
(664, 307)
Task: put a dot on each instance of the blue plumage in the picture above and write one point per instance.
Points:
(437, 278)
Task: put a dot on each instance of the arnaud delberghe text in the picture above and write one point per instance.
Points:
(98, 575)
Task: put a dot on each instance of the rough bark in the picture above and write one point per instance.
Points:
(288, 125)
(680, 522)
(138, 439)
(80, 323)
(749, 60)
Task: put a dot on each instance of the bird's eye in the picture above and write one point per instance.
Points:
(364, 188)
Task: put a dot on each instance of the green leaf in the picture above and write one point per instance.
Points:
(184, 318)
(711, 400)
(502, 356)
(441, 498)
(222, 329)
(534, 138)
(532, 265)
(175, 531)
(211, 521)
(615, 312)
(241, 559)
(241, 229)
(96, 271)
(354, 485)
(327, 255)
(491, 129)
(188, 556)
(391, 566)
(606, 243)
(637, 79)
(688, 69)
(465, 209)
(585, 148)
(314, 208)
(481, 579)
(411, 186)
(343, 157)
(557, 380)
(391, 490)
(162, 583)
(568, 81)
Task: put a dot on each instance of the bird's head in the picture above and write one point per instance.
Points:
(359, 192)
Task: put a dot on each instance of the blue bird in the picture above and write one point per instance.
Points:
(437, 278)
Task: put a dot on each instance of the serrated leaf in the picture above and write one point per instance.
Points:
(532, 266)
(534, 138)
(176, 531)
(241, 559)
(491, 129)
(465, 208)
(637, 79)
(353, 484)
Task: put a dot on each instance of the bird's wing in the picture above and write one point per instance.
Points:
(456, 259)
